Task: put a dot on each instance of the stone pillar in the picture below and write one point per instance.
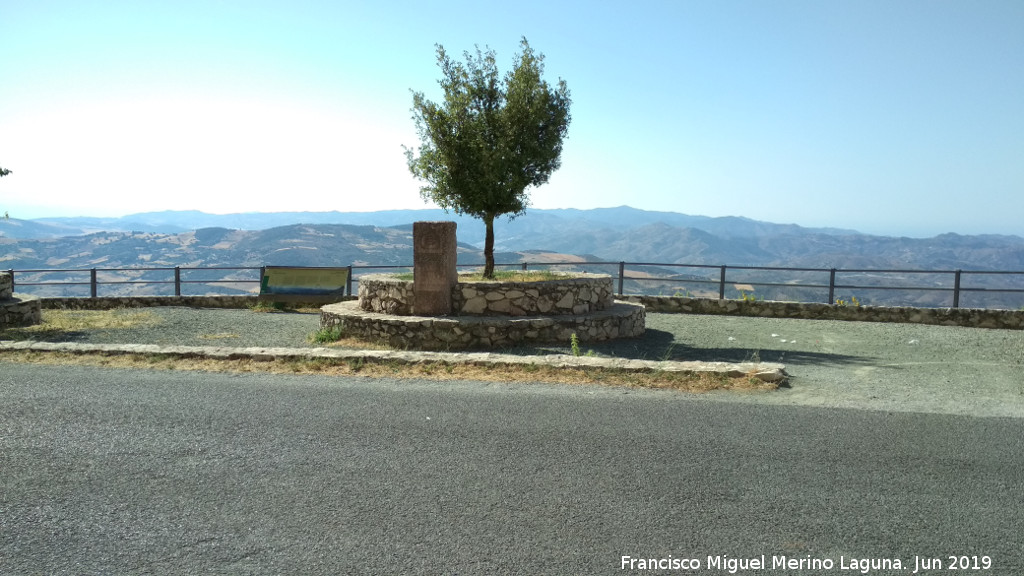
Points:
(6, 286)
(434, 272)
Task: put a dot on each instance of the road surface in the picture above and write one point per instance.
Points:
(114, 471)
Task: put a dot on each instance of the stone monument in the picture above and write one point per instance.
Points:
(437, 311)
(434, 272)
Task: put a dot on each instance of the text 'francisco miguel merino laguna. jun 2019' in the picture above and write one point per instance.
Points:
(722, 563)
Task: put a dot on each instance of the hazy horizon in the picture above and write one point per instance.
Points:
(501, 220)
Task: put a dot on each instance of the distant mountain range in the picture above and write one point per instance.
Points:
(523, 229)
(196, 239)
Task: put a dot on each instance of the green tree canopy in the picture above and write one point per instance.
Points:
(490, 139)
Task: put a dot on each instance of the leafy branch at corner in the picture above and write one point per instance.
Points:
(490, 139)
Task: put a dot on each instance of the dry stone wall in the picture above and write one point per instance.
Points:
(17, 310)
(111, 302)
(6, 285)
(385, 294)
(968, 317)
(621, 320)
(578, 294)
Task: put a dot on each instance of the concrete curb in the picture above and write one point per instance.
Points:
(764, 371)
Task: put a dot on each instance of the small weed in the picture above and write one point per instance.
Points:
(267, 306)
(749, 297)
(667, 355)
(327, 335)
(574, 347)
(851, 302)
(356, 364)
(682, 294)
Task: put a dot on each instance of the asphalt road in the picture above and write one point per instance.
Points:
(111, 471)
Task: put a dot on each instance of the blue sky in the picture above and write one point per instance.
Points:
(898, 118)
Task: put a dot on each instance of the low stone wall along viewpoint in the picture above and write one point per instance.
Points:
(967, 317)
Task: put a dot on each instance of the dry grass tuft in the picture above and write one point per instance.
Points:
(370, 368)
(219, 336)
(515, 276)
(60, 321)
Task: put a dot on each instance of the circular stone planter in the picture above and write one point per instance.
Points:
(488, 314)
(575, 294)
(621, 320)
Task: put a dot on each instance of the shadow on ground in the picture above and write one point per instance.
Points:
(20, 334)
(661, 345)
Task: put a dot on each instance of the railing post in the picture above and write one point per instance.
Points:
(721, 284)
(92, 283)
(622, 274)
(11, 272)
(177, 281)
(524, 266)
(348, 281)
(831, 286)
(956, 289)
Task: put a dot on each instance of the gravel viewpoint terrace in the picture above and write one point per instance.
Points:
(869, 365)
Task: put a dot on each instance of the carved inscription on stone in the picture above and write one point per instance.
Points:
(434, 272)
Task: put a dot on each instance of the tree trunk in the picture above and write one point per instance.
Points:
(489, 248)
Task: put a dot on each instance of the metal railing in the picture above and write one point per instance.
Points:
(638, 274)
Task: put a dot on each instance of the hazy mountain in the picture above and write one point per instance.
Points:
(195, 239)
(535, 225)
(623, 233)
(556, 235)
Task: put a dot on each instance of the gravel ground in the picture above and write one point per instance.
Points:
(879, 366)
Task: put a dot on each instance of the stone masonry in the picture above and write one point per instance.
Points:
(621, 320)
(17, 310)
(488, 314)
(967, 317)
(577, 294)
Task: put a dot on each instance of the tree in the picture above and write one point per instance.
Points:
(490, 139)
